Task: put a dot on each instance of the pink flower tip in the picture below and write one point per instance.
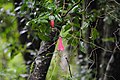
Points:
(60, 44)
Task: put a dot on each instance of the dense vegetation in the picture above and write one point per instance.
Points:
(59, 40)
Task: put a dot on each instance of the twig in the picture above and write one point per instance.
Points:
(92, 53)
(93, 62)
(116, 38)
(109, 76)
(116, 2)
(70, 9)
(92, 44)
(69, 67)
(114, 16)
(63, 5)
(88, 5)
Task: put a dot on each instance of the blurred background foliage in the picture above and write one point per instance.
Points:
(11, 60)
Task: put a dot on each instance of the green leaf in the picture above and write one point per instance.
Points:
(42, 21)
(82, 47)
(43, 37)
(68, 36)
(75, 42)
(77, 34)
(58, 18)
(70, 41)
(67, 27)
(94, 33)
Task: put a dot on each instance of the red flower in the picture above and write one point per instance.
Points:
(52, 23)
(60, 44)
(52, 18)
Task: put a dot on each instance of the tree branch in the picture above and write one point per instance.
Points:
(43, 59)
(70, 9)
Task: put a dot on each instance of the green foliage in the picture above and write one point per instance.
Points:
(40, 26)
(10, 49)
(73, 22)
(94, 34)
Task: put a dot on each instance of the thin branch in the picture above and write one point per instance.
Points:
(116, 43)
(63, 5)
(109, 76)
(93, 62)
(47, 48)
(92, 44)
(88, 5)
(97, 46)
(114, 16)
(116, 2)
(70, 9)
(105, 75)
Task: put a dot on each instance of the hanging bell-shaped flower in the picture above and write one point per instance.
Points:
(60, 44)
(52, 23)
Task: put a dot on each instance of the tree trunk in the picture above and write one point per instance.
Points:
(43, 59)
(107, 56)
(113, 66)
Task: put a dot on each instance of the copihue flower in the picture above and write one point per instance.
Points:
(52, 23)
(60, 44)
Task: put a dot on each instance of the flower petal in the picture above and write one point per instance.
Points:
(52, 23)
(60, 44)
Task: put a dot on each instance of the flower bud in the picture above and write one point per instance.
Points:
(52, 23)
